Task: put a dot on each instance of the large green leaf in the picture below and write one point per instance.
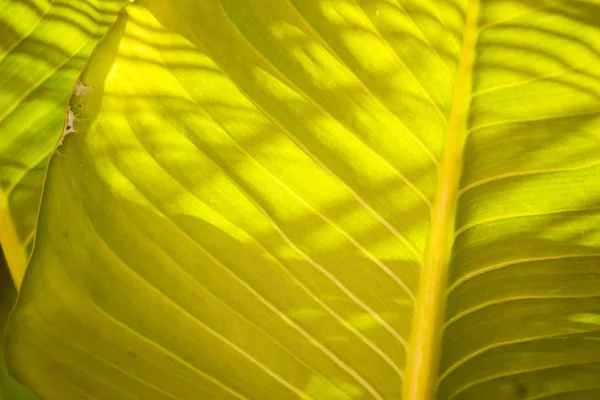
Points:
(44, 45)
(324, 199)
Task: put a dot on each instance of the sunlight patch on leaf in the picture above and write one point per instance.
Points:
(321, 389)
(586, 318)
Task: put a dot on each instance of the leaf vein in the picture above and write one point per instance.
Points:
(498, 266)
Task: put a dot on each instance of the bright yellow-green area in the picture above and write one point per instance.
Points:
(324, 199)
(586, 318)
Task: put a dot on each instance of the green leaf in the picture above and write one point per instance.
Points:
(44, 45)
(324, 199)
(10, 389)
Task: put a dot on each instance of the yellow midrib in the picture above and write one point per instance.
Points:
(424, 349)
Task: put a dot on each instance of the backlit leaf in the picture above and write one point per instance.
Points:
(324, 199)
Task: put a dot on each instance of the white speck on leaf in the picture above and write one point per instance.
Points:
(69, 126)
(80, 89)
(70, 122)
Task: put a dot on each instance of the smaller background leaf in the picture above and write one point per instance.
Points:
(44, 46)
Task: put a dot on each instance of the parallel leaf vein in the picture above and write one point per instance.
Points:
(501, 265)
(484, 221)
(517, 174)
(524, 371)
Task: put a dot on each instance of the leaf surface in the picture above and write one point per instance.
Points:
(349, 199)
